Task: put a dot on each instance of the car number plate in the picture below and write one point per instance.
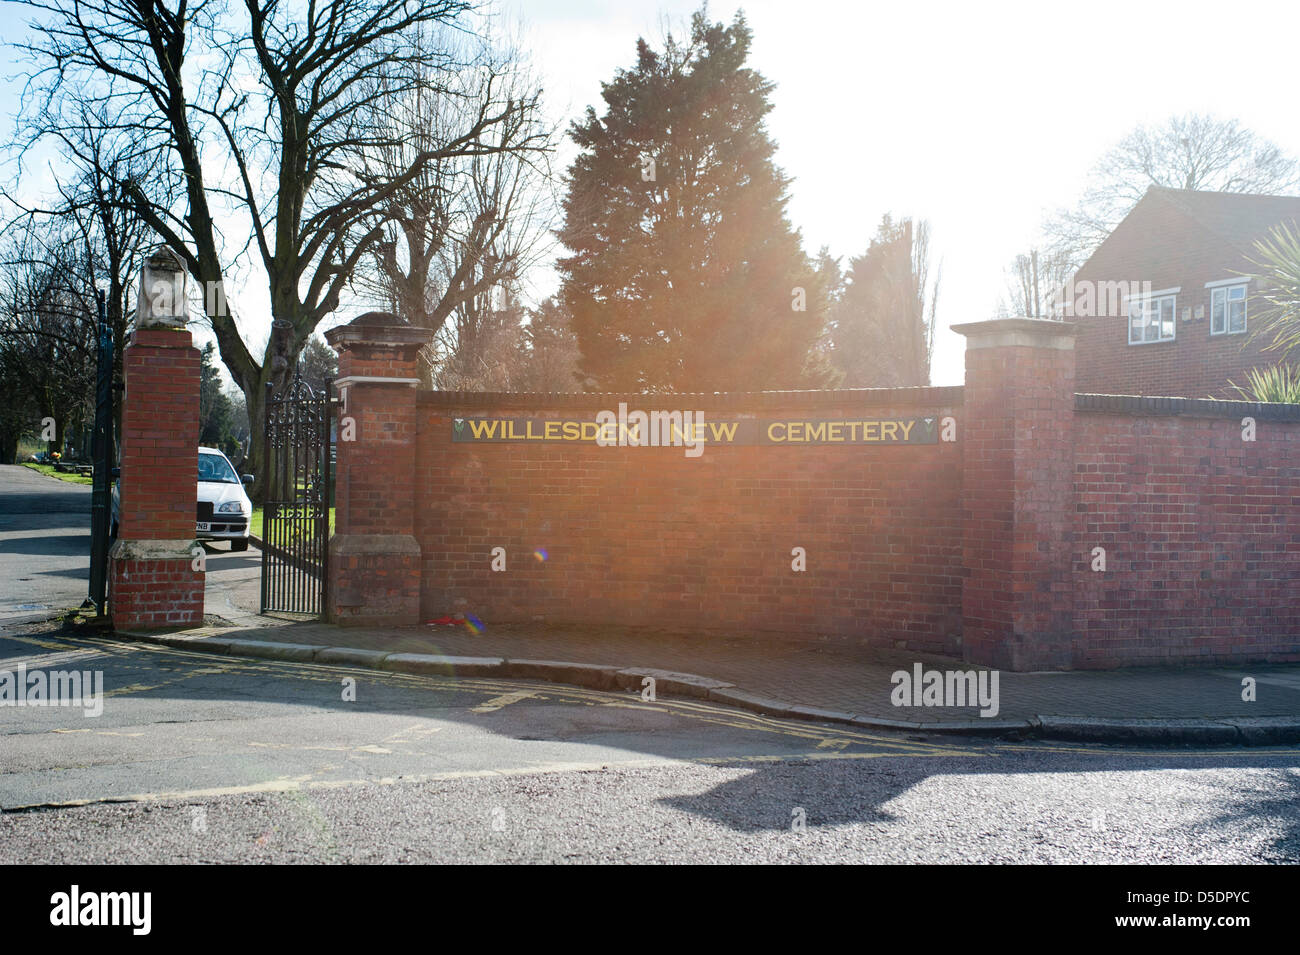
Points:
(204, 526)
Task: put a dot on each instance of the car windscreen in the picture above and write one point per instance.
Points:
(213, 467)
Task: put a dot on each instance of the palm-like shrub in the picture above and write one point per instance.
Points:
(1278, 260)
(1280, 383)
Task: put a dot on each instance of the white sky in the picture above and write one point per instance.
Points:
(979, 117)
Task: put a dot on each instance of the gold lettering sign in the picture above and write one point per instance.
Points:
(745, 431)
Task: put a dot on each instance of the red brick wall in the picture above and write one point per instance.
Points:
(157, 594)
(650, 537)
(160, 432)
(1017, 495)
(374, 474)
(1159, 244)
(374, 575)
(1202, 539)
(988, 524)
(980, 548)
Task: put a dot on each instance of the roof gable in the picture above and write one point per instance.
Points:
(1240, 219)
(1234, 221)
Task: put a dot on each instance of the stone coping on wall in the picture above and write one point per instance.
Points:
(1186, 407)
(942, 395)
(932, 396)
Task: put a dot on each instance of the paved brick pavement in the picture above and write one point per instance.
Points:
(833, 675)
(826, 674)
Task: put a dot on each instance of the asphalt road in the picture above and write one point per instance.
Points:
(211, 759)
(45, 547)
(44, 543)
(196, 758)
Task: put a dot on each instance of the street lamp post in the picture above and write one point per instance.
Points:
(101, 457)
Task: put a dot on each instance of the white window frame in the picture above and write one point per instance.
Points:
(1222, 289)
(1147, 301)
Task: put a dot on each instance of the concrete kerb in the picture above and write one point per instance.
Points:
(293, 652)
(593, 676)
(437, 665)
(1258, 731)
(348, 656)
(670, 682)
(1225, 732)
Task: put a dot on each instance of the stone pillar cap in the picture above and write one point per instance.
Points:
(378, 328)
(1024, 332)
(1038, 326)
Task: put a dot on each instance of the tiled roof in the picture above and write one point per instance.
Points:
(1241, 219)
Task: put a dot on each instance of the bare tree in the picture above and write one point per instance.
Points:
(47, 325)
(1034, 284)
(461, 234)
(488, 355)
(18, 415)
(91, 210)
(261, 116)
(1186, 152)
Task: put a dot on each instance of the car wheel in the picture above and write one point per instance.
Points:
(238, 545)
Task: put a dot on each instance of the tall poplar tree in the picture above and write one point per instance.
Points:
(686, 274)
(882, 327)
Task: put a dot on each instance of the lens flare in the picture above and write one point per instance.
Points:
(541, 554)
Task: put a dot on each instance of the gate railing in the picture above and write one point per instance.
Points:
(296, 499)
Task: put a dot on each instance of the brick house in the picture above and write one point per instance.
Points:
(1163, 306)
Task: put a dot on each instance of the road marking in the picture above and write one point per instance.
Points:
(508, 691)
(506, 699)
(740, 719)
(300, 748)
(412, 734)
(620, 705)
(307, 783)
(1170, 754)
(49, 660)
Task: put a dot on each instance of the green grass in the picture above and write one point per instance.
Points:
(27, 446)
(48, 471)
(255, 522)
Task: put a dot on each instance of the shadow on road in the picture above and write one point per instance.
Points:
(834, 773)
(55, 545)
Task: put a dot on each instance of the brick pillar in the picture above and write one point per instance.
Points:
(1018, 479)
(152, 580)
(374, 562)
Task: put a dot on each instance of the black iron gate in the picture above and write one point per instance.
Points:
(296, 502)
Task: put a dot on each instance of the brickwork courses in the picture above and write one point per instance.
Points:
(153, 582)
(980, 547)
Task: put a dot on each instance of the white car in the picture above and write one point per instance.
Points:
(223, 508)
